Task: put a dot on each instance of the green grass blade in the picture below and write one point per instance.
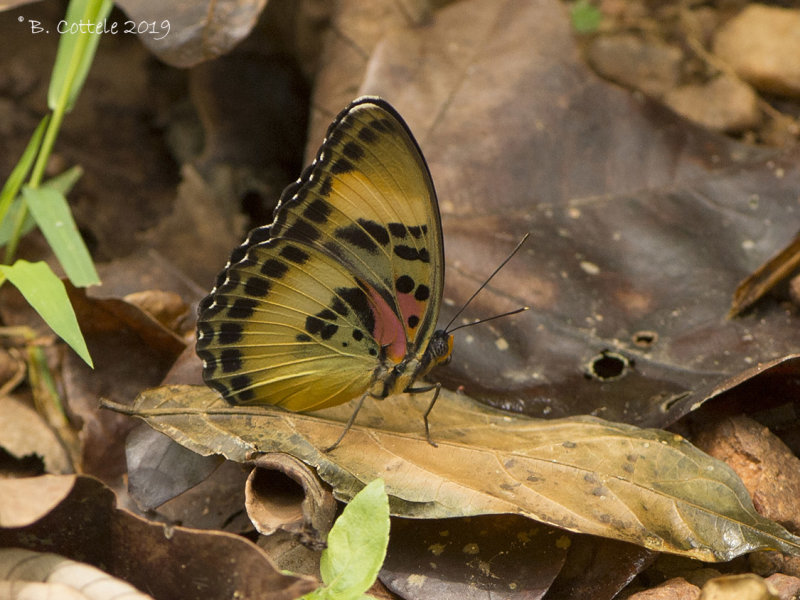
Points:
(75, 53)
(47, 295)
(8, 225)
(20, 172)
(51, 211)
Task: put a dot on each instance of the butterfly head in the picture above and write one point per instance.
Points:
(440, 349)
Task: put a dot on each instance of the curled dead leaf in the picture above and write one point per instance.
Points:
(283, 492)
(62, 578)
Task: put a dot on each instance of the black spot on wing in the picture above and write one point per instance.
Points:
(230, 333)
(239, 385)
(294, 254)
(355, 235)
(257, 286)
(376, 230)
(242, 308)
(384, 125)
(341, 165)
(316, 326)
(398, 230)
(231, 360)
(340, 307)
(367, 135)
(358, 335)
(302, 230)
(327, 314)
(326, 186)
(302, 337)
(418, 230)
(358, 302)
(409, 253)
(274, 268)
(317, 210)
(413, 321)
(404, 284)
(423, 292)
(353, 151)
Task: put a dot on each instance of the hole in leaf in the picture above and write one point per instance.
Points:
(608, 366)
(645, 338)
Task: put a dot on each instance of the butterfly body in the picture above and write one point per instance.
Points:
(338, 297)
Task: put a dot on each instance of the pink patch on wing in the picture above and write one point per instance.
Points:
(389, 331)
(409, 307)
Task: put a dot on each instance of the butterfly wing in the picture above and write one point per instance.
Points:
(368, 200)
(287, 326)
(345, 283)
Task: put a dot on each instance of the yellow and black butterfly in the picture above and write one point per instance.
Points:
(338, 297)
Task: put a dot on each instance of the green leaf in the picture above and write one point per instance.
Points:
(46, 293)
(357, 544)
(21, 170)
(7, 226)
(51, 211)
(64, 182)
(586, 18)
(75, 52)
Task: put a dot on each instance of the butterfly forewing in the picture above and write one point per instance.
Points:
(368, 200)
(346, 282)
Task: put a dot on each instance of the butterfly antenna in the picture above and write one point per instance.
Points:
(483, 285)
(479, 321)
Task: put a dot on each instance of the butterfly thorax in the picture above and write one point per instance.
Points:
(401, 376)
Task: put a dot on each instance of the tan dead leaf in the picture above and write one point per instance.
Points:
(645, 486)
(53, 576)
(23, 432)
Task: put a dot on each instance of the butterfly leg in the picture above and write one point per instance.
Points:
(436, 386)
(347, 427)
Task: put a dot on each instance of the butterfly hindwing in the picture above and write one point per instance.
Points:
(289, 324)
(345, 283)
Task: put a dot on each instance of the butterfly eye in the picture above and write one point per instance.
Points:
(440, 348)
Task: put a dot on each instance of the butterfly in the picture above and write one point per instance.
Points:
(338, 298)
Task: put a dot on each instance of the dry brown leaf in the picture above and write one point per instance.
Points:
(80, 521)
(767, 276)
(23, 432)
(645, 486)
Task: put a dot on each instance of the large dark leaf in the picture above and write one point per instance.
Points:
(642, 224)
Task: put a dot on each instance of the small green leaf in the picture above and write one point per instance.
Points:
(586, 17)
(21, 170)
(8, 224)
(51, 211)
(357, 544)
(75, 51)
(64, 182)
(46, 293)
